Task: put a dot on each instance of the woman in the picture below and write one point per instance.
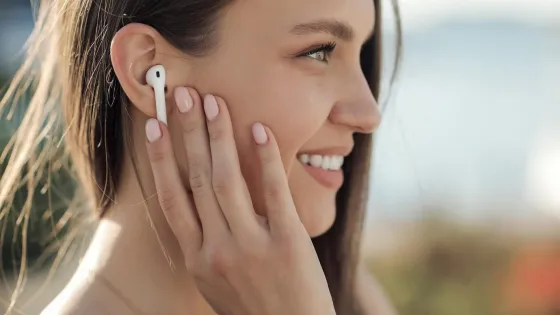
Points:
(266, 100)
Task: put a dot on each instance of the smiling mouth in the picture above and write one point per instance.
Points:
(325, 162)
(325, 169)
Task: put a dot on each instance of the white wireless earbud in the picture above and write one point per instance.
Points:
(156, 79)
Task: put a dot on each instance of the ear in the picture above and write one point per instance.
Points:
(134, 50)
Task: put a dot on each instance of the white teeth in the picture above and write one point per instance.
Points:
(316, 161)
(332, 162)
(326, 163)
(336, 162)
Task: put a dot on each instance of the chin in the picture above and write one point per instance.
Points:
(318, 217)
(315, 202)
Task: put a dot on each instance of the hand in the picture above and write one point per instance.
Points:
(242, 263)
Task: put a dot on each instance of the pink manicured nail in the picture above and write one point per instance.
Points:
(211, 107)
(153, 132)
(259, 134)
(183, 99)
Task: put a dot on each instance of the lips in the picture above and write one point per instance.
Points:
(328, 179)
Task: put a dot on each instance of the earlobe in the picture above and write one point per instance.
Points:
(135, 49)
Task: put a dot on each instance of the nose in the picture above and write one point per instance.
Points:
(357, 108)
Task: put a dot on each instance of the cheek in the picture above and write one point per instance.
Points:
(290, 105)
(294, 106)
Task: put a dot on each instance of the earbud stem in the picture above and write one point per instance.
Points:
(160, 107)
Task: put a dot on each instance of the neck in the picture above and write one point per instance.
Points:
(134, 252)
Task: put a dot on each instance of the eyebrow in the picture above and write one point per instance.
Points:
(333, 27)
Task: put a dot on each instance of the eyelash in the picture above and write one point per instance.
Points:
(327, 48)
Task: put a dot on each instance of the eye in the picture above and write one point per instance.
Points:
(321, 53)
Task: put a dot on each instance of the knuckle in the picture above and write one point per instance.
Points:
(216, 132)
(158, 155)
(256, 250)
(291, 236)
(289, 250)
(167, 199)
(287, 243)
(190, 124)
(273, 192)
(199, 180)
(222, 184)
(222, 187)
(268, 157)
(196, 161)
(219, 260)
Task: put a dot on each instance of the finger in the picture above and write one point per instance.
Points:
(173, 198)
(199, 160)
(228, 182)
(281, 211)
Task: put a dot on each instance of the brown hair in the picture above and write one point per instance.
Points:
(75, 94)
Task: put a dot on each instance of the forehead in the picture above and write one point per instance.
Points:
(280, 16)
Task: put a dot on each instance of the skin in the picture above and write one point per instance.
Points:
(257, 70)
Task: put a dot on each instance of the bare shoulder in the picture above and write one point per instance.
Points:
(83, 299)
(61, 306)
(371, 295)
(54, 310)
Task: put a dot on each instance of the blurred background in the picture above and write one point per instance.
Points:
(464, 215)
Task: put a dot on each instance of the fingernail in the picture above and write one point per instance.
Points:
(259, 134)
(183, 99)
(153, 132)
(210, 107)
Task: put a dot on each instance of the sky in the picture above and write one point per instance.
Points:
(424, 13)
(468, 125)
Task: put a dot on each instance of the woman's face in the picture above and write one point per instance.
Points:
(294, 66)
